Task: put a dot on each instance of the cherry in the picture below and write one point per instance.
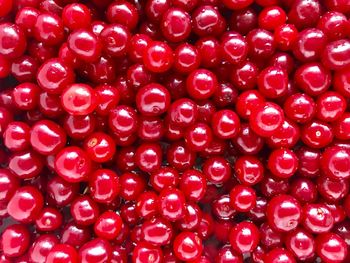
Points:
(284, 213)
(330, 247)
(176, 25)
(85, 45)
(76, 16)
(226, 124)
(75, 235)
(271, 16)
(26, 204)
(269, 238)
(131, 186)
(171, 204)
(84, 210)
(115, 40)
(16, 136)
(242, 198)
(108, 225)
(193, 184)
(123, 12)
(15, 240)
(72, 164)
(166, 177)
(104, 185)
(279, 255)
(243, 20)
(41, 247)
(317, 218)
(62, 252)
(283, 163)
(147, 205)
(145, 251)
(158, 57)
(301, 244)
(273, 82)
(26, 96)
(217, 170)
(187, 246)
(157, 231)
(206, 21)
(335, 54)
(96, 250)
(100, 147)
(12, 41)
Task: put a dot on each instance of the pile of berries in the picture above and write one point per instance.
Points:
(164, 131)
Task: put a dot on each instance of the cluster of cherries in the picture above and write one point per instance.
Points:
(164, 131)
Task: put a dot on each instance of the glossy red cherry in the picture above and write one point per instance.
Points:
(62, 253)
(26, 204)
(266, 119)
(171, 204)
(336, 54)
(331, 248)
(187, 246)
(193, 184)
(49, 219)
(9, 183)
(49, 29)
(176, 25)
(115, 40)
(26, 96)
(104, 185)
(108, 225)
(201, 84)
(85, 45)
(284, 213)
(300, 107)
(282, 163)
(226, 124)
(15, 240)
(16, 136)
(198, 136)
(26, 164)
(12, 41)
(244, 237)
(41, 247)
(317, 134)
(123, 120)
(144, 251)
(72, 164)
(207, 21)
(157, 231)
(279, 255)
(234, 49)
(217, 170)
(84, 210)
(100, 147)
(158, 57)
(163, 178)
(317, 218)
(261, 43)
(335, 163)
(131, 186)
(76, 16)
(79, 99)
(273, 82)
(183, 112)
(60, 192)
(96, 250)
(75, 235)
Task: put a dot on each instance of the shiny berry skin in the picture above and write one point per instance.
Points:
(79, 99)
(283, 163)
(336, 55)
(131, 186)
(341, 126)
(225, 124)
(108, 225)
(85, 45)
(198, 136)
(123, 12)
(176, 25)
(201, 84)
(158, 57)
(96, 250)
(244, 237)
(331, 248)
(16, 136)
(157, 231)
(317, 134)
(12, 41)
(72, 164)
(23, 68)
(266, 119)
(108, 98)
(104, 185)
(244, 76)
(209, 50)
(163, 178)
(273, 82)
(47, 138)
(186, 58)
(217, 170)
(237, 4)
(243, 20)
(60, 192)
(75, 235)
(49, 29)
(207, 21)
(309, 45)
(49, 219)
(54, 75)
(286, 136)
(187, 246)
(148, 157)
(234, 49)
(26, 204)
(261, 43)
(300, 107)
(144, 252)
(100, 147)
(278, 255)
(123, 120)
(301, 244)
(334, 25)
(147, 205)
(41, 247)
(62, 253)
(183, 112)
(193, 185)
(317, 218)
(335, 163)
(172, 204)
(26, 96)
(76, 16)
(115, 40)
(242, 198)
(84, 210)
(284, 213)
(15, 240)
(313, 78)
(9, 183)
(152, 100)
(249, 170)
(330, 106)
(247, 141)
(271, 17)
(26, 164)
